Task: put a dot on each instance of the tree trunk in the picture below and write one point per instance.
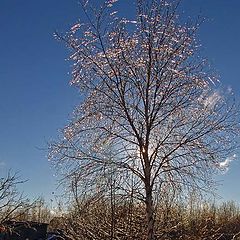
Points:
(149, 216)
(149, 212)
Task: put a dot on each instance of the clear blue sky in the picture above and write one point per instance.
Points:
(36, 100)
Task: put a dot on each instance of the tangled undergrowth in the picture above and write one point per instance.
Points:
(125, 221)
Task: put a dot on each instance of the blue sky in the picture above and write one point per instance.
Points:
(36, 99)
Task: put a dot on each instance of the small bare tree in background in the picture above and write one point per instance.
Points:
(151, 118)
(11, 200)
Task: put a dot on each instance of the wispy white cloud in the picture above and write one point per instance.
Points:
(224, 165)
(212, 100)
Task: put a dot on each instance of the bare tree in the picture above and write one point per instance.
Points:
(11, 200)
(151, 118)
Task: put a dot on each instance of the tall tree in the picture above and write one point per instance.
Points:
(150, 116)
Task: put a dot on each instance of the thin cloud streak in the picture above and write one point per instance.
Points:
(226, 163)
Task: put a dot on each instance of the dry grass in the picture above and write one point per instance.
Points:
(101, 220)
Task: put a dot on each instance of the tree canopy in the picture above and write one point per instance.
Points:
(151, 119)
